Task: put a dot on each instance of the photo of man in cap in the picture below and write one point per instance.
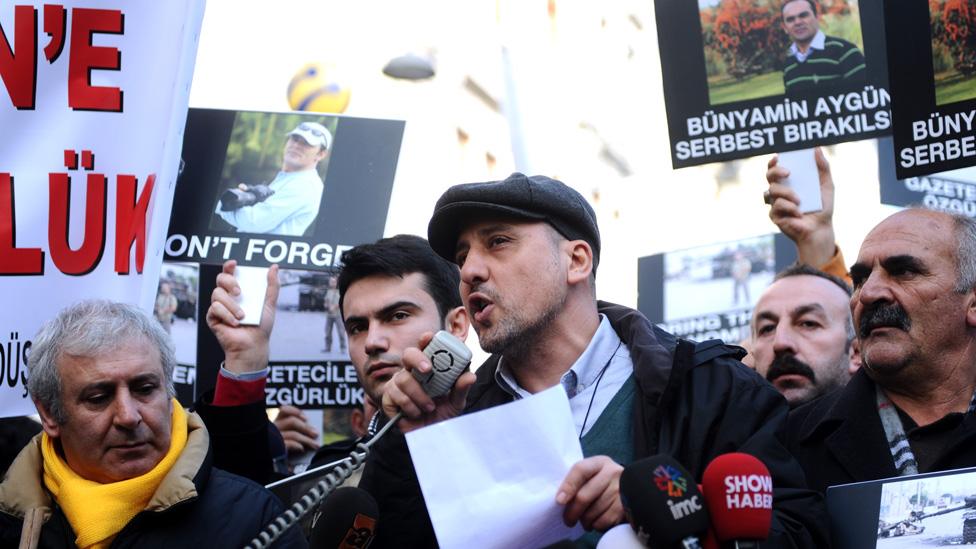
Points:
(289, 204)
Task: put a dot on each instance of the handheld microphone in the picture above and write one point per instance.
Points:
(663, 503)
(346, 520)
(449, 358)
(739, 493)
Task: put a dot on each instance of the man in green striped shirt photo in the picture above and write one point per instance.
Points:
(816, 61)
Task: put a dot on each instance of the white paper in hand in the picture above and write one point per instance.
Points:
(490, 478)
(254, 285)
(804, 178)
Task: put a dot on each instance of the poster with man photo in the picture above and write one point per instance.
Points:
(932, 44)
(708, 292)
(951, 191)
(750, 77)
(289, 188)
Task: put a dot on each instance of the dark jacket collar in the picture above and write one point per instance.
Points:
(851, 430)
(648, 345)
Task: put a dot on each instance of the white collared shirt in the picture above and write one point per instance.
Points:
(605, 350)
(816, 44)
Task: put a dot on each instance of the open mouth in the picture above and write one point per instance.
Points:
(480, 306)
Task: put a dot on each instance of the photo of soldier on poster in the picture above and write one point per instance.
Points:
(708, 292)
(749, 77)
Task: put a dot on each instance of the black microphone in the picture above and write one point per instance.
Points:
(346, 520)
(663, 503)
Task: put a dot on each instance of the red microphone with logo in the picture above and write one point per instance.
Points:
(739, 495)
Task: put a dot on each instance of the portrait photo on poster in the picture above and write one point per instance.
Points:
(750, 77)
(295, 189)
(935, 85)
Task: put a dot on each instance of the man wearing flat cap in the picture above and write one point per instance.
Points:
(528, 250)
(290, 203)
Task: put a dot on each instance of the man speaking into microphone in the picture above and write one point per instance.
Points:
(528, 249)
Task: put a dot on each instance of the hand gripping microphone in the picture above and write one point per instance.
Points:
(739, 494)
(346, 520)
(663, 503)
(449, 358)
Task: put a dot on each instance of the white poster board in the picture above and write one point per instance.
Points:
(92, 109)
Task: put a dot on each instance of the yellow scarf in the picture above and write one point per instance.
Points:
(98, 512)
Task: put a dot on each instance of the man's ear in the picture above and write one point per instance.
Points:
(580, 261)
(48, 423)
(855, 351)
(457, 322)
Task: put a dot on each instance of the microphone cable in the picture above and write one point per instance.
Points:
(339, 474)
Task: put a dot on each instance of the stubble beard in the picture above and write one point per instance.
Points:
(514, 336)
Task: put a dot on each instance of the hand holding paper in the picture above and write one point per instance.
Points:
(490, 478)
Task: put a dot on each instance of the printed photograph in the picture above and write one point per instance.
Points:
(953, 24)
(308, 323)
(930, 512)
(762, 48)
(717, 278)
(274, 174)
(176, 307)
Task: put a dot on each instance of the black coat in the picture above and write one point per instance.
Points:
(838, 438)
(693, 413)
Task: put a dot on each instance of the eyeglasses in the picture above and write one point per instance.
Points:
(308, 127)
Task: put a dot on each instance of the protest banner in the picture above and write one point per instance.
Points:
(932, 44)
(951, 191)
(247, 193)
(734, 89)
(92, 114)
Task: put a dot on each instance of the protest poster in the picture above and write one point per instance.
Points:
(708, 292)
(92, 112)
(734, 89)
(950, 191)
(272, 222)
(933, 81)
(247, 193)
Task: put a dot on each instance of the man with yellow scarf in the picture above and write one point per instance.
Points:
(120, 463)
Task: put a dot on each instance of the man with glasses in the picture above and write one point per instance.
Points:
(290, 203)
(816, 60)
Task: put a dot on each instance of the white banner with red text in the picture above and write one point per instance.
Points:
(92, 110)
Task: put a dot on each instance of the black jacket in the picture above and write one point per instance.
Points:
(838, 438)
(196, 505)
(693, 413)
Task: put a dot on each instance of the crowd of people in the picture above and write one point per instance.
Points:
(876, 366)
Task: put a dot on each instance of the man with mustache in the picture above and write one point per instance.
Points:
(528, 249)
(910, 407)
(802, 334)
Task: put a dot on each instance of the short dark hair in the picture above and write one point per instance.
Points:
(813, 5)
(801, 269)
(399, 256)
